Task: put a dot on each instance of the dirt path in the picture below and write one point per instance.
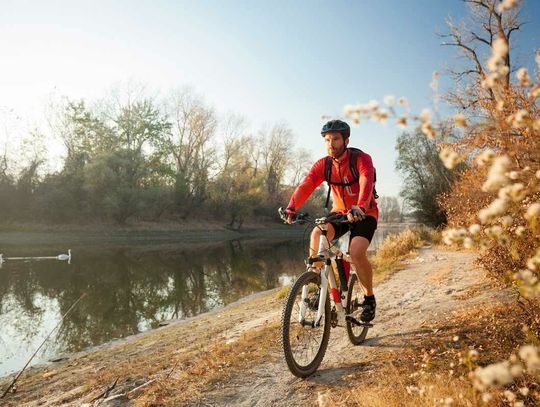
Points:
(434, 285)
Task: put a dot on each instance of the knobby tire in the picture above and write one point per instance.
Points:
(296, 368)
(357, 334)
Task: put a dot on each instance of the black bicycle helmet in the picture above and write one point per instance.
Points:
(338, 126)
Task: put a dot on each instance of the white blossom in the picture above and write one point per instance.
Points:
(533, 263)
(497, 174)
(373, 105)
(506, 5)
(425, 115)
(534, 92)
(449, 157)
(533, 212)
(401, 122)
(389, 100)
(428, 130)
(520, 118)
(500, 47)
(460, 120)
(349, 110)
(529, 354)
(497, 374)
(514, 192)
(493, 210)
(506, 221)
(485, 157)
(509, 395)
(474, 229)
(523, 77)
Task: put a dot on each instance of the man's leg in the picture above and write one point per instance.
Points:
(358, 251)
(316, 238)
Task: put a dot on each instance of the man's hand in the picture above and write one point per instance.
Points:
(355, 214)
(290, 214)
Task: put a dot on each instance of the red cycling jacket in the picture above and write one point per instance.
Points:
(343, 197)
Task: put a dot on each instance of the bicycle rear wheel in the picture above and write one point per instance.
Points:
(304, 343)
(357, 333)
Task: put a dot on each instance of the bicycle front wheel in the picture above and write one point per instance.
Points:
(303, 338)
(357, 333)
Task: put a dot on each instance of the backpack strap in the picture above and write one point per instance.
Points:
(328, 177)
(375, 195)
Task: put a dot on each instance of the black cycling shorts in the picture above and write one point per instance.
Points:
(365, 228)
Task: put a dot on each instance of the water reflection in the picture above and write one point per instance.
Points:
(129, 290)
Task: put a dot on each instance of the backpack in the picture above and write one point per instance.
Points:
(355, 152)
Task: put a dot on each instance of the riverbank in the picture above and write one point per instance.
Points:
(141, 236)
(439, 304)
(148, 233)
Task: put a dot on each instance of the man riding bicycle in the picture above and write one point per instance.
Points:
(351, 177)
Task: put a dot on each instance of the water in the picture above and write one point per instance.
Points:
(129, 290)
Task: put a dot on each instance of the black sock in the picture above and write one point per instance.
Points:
(369, 298)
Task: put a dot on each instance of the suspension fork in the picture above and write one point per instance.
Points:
(324, 244)
(328, 280)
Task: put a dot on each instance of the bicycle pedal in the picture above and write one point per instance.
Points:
(352, 319)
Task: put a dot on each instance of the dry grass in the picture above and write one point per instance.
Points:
(436, 370)
(210, 368)
(396, 248)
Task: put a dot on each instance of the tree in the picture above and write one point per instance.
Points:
(389, 209)
(474, 38)
(425, 176)
(187, 144)
(276, 156)
(237, 189)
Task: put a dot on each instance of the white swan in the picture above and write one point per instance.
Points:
(65, 256)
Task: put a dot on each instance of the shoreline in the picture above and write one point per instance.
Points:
(164, 325)
(137, 235)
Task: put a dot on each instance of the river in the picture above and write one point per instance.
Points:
(129, 289)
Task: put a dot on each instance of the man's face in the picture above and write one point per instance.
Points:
(335, 144)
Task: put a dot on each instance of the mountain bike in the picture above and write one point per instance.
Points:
(315, 303)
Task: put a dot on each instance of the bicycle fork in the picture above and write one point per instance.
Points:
(327, 279)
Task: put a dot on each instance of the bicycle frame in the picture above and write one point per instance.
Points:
(327, 254)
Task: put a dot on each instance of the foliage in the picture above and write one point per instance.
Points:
(425, 176)
(131, 157)
(389, 209)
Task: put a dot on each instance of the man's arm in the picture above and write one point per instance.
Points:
(366, 174)
(312, 180)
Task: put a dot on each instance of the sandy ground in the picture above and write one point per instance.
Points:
(410, 302)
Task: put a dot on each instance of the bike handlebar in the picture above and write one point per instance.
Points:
(302, 217)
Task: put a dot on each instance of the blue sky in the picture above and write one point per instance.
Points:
(290, 61)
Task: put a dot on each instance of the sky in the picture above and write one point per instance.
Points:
(269, 61)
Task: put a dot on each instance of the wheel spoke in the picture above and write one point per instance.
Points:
(357, 333)
(305, 340)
